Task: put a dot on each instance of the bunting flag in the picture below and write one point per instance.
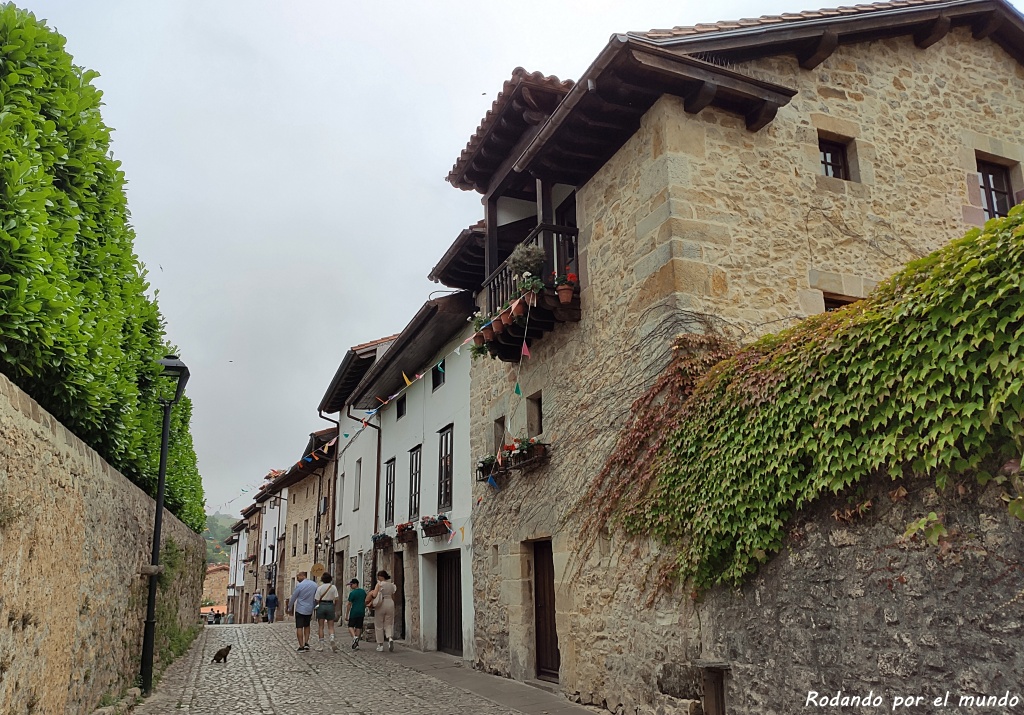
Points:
(447, 524)
(459, 349)
(364, 423)
(309, 458)
(333, 442)
(405, 377)
(493, 483)
(440, 367)
(518, 391)
(419, 376)
(345, 435)
(479, 501)
(384, 402)
(526, 350)
(462, 530)
(451, 535)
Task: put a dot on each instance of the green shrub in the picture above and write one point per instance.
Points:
(77, 330)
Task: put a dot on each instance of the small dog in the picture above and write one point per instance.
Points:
(221, 656)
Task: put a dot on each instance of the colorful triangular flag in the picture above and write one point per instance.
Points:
(440, 367)
(345, 435)
(526, 350)
(406, 378)
(451, 536)
(493, 483)
(518, 391)
(458, 350)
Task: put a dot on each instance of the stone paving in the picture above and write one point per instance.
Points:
(264, 675)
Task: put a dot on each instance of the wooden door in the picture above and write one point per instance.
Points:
(398, 578)
(449, 603)
(548, 658)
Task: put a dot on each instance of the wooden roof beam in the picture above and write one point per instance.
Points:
(820, 51)
(987, 24)
(933, 31)
(700, 97)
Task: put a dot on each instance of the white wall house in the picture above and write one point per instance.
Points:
(236, 568)
(274, 514)
(427, 471)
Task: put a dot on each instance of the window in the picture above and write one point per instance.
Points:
(714, 691)
(305, 537)
(415, 459)
(834, 301)
(996, 196)
(341, 501)
(499, 434)
(389, 492)
(534, 415)
(444, 469)
(834, 161)
(295, 537)
(359, 484)
(437, 375)
(400, 408)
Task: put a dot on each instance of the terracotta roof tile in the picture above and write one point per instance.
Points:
(519, 76)
(370, 344)
(844, 10)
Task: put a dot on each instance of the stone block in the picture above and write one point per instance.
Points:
(653, 220)
(705, 232)
(853, 286)
(830, 184)
(974, 216)
(811, 301)
(833, 127)
(825, 281)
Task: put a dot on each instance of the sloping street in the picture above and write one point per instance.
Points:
(264, 675)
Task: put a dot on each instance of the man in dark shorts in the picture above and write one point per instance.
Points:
(356, 606)
(303, 598)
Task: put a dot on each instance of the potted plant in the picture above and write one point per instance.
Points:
(565, 285)
(381, 540)
(434, 525)
(497, 326)
(529, 285)
(479, 349)
(484, 467)
(527, 258)
(406, 533)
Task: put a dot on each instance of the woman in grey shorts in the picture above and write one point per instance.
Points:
(326, 601)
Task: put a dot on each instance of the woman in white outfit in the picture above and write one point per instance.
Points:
(384, 614)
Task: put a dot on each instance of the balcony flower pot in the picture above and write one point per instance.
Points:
(498, 327)
(478, 339)
(518, 308)
(382, 542)
(507, 317)
(434, 530)
(406, 537)
(530, 298)
(565, 292)
(488, 333)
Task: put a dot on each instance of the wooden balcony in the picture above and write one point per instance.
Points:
(559, 243)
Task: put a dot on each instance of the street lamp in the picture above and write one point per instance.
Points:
(174, 368)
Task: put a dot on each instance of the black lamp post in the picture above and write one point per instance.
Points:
(175, 368)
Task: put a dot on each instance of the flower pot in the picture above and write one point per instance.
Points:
(488, 333)
(507, 317)
(478, 339)
(384, 543)
(434, 530)
(518, 308)
(530, 297)
(406, 537)
(565, 292)
(498, 327)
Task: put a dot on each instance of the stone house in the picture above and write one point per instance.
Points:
(252, 521)
(737, 176)
(306, 536)
(215, 586)
(273, 503)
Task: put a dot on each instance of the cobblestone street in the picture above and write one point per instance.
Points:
(265, 675)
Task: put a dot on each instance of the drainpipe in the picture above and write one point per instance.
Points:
(376, 491)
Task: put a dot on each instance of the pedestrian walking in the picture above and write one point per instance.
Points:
(256, 607)
(327, 597)
(272, 604)
(302, 600)
(356, 607)
(384, 611)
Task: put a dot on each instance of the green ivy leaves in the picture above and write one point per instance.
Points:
(924, 377)
(77, 331)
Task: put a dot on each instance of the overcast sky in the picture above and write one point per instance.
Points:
(286, 165)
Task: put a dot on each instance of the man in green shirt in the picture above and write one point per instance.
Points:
(356, 607)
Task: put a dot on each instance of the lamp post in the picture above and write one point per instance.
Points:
(174, 368)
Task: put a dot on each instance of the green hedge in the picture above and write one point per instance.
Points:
(925, 377)
(77, 330)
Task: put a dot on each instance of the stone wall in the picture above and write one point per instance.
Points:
(215, 586)
(74, 534)
(697, 216)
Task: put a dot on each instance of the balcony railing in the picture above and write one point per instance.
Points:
(559, 243)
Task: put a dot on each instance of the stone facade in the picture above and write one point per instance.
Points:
(215, 586)
(74, 534)
(301, 550)
(697, 216)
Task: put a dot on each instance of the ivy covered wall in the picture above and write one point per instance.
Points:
(78, 331)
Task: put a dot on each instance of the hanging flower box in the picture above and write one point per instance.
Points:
(406, 532)
(381, 541)
(434, 526)
(524, 454)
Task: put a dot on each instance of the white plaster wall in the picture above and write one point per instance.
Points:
(352, 523)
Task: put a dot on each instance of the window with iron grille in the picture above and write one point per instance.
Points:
(444, 469)
(834, 161)
(415, 460)
(389, 492)
(996, 196)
